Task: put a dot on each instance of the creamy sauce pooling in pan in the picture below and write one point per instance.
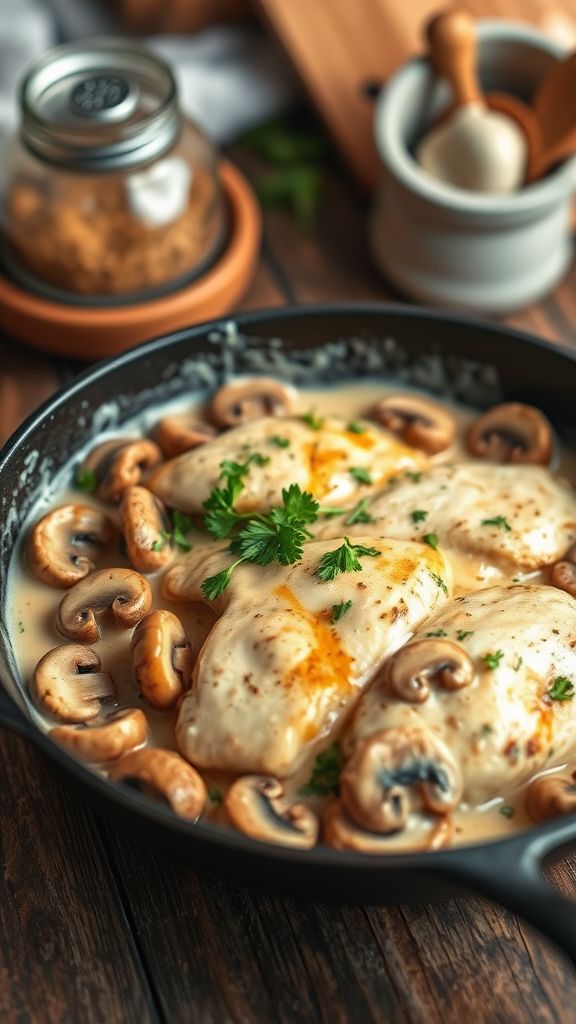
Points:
(396, 683)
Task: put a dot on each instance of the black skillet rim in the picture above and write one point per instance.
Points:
(544, 836)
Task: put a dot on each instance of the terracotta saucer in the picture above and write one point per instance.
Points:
(89, 332)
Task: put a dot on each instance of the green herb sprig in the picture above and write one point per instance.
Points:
(325, 773)
(346, 558)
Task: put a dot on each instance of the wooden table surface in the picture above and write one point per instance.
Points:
(97, 928)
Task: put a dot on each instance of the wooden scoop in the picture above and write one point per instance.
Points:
(491, 150)
(555, 108)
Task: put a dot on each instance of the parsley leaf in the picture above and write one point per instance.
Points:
(221, 518)
(313, 421)
(161, 542)
(500, 521)
(518, 663)
(355, 428)
(493, 660)
(461, 634)
(343, 559)
(182, 525)
(437, 632)
(338, 610)
(360, 474)
(213, 586)
(324, 778)
(431, 539)
(562, 689)
(507, 811)
(215, 796)
(414, 477)
(279, 442)
(86, 481)
(419, 515)
(359, 514)
(329, 513)
(438, 581)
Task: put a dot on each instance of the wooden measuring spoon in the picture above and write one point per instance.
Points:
(555, 107)
(452, 44)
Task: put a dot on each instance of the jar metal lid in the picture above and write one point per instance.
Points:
(98, 105)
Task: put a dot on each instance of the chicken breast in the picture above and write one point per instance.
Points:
(280, 669)
(518, 518)
(517, 715)
(330, 462)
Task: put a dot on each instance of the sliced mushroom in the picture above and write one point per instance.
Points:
(179, 434)
(119, 464)
(163, 773)
(412, 668)
(418, 421)
(379, 780)
(123, 591)
(563, 576)
(144, 524)
(245, 400)
(340, 832)
(62, 544)
(98, 744)
(253, 804)
(69, 685)
(162, 658)
(551, 796)
(512, 432)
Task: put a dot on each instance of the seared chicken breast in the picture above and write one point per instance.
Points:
(333, 463)
(517, 518)
(282, 666)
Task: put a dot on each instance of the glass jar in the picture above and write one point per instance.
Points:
(109, 193)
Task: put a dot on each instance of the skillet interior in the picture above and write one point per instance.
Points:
(473, 363)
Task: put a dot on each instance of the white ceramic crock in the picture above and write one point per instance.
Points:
(448, 247)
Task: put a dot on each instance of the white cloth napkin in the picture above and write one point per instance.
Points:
(230, 77)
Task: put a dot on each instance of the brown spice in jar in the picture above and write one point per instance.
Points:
(84, 237)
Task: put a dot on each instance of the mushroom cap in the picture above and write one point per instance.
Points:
(61, 544)
(120, 463)
(339, 831)
(166, 774)
(162, 658)
(179, 434)
(389, 769)
(98, 744)
(253, 805)
(551, 796)
(124, 591)
(417, 420)
(563, 576)
(410, 670)
(143, 518)
(511, 432)
(69, 685)
(243, 400)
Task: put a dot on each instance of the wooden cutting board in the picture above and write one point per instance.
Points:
(339, 47)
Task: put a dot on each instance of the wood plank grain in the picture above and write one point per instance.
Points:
(66, 953)
(27, 378)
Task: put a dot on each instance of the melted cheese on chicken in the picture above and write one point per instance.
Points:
(276, 673)
(504, 727)
(533, 515)
(319, 461)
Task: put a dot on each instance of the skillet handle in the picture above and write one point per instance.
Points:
(510, 873)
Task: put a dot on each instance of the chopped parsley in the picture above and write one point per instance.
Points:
(343, 559)
(518, 662)
(221, 518)
(359, 514)
(438, 581)
(500, 521)
(486, 729)
(414, 477)
(330, 513)
(325, 773)
(437, 632)
(21, 627)
(431, 539)
(280, 442)
(161, 541)
(355, 428)
(507, 811)
(562, 689)
(181, 526)
(86, 481)
(338, 610)
(313, 421)
(215, 796)
(493, 660)
(461, 634)
(360, 474)
(419, 515)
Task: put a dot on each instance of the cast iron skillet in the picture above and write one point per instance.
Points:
(472, 362)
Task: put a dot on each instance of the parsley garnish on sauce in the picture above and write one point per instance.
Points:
(280, 442)
(562, 689)
(493, 660)
(507, 811)
(414, 477)
(359, 514)
(343, 559)
(86, 481)
(324, 778)
(438, 581)
(215, 796)
(461, 634)
(181, 526)
(313, 421)
(338, 610)
(419, 515)
(360, 474)
(437, 632)
(221, 518)
(431, 539)
(518, 663)
(500, 521)
(355, 428)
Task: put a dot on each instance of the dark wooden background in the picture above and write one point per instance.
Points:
(96, 928)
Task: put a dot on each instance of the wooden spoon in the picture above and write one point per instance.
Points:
(555, 107)
(452, 44)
